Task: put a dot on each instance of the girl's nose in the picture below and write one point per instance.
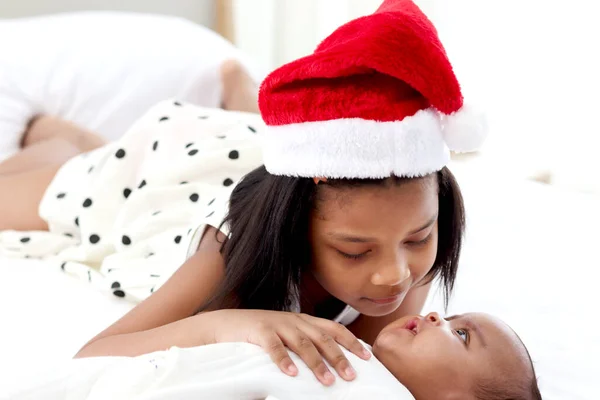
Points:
(392, 274)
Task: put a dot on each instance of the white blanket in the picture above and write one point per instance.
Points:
(226, 371)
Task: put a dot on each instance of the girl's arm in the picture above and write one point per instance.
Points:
(167, 319)
(162, 320)
(367, 328)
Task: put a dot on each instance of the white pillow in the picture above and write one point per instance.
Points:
(103, 70)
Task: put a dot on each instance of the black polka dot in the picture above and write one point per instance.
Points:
(77, 221)
(152, 290)
(25, 240)
(89, 276)
(194, 197)
(227, 182)
(126, 240)
(62, 266)
(163, 119)
(212, 201)
(87, 203)
(142, 184)
(251, 129)
(68, 235)
(149, 255)
(115, 285)
(176, 103)
(94, 239)
(126, 192)
(187, 146)
(91, 169)
(193, 152)
(119, 293)
(177, 239)
(234, 154)
(120, 153)
(155, 146)
(61, 195)
(183, 183)
(211, 214)
(221, 136)
(155, 213)
(189, 231)
(154, 276)
(203, 117)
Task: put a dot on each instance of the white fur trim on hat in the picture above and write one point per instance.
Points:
(465, 130)
(357, 148)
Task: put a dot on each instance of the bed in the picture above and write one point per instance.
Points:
(530, 258)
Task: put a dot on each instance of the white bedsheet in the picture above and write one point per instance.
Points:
(41, 323)
(530, 258)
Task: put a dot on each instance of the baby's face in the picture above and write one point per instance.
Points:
(443, 358)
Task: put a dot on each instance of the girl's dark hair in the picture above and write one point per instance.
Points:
(268, 247)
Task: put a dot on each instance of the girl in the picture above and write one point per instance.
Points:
(348, 222)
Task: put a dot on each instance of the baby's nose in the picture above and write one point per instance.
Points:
(433, 318)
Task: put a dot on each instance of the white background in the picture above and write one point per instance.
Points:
(533, 65)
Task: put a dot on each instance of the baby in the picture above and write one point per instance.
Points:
(466, 357)
(470, 356)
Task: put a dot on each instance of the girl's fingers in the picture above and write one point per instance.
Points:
(301, 344)
(272, 344)
(331, 351)
(340, 334)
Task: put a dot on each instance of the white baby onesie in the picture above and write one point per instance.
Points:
(224, 371)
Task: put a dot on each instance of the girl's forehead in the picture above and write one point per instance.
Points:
(410, 193)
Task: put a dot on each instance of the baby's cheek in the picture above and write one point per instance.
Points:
(389, 349)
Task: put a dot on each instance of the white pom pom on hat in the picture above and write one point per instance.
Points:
(465, 130)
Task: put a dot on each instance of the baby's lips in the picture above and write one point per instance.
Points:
(413, 325)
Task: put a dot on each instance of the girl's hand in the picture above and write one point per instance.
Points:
(312, 339)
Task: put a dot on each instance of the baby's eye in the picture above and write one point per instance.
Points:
(463, 334)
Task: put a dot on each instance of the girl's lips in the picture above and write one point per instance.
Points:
(384, 300)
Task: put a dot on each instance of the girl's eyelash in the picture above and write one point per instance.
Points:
(351, 256)
(421, 242)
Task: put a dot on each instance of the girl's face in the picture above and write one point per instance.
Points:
(371, 244)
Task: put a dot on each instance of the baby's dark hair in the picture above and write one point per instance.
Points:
(510, 387)
(508, 391)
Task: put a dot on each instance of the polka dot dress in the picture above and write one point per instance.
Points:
(124, 217)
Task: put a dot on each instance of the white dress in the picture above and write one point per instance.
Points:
(127, 215)
(124, 217)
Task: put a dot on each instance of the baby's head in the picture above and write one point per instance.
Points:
(470, 356)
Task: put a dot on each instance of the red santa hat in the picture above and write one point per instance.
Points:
(377, 98)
